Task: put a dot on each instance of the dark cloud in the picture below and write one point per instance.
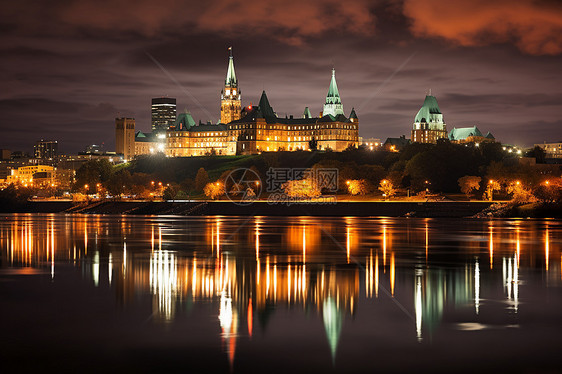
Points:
(534, 26)
(62, 60)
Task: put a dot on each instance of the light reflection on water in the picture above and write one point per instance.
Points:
(431, 271)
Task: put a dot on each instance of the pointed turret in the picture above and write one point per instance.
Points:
(230, 80)
(231, 100)
(333, 104)
(265, 108)
(307, 113)
(353, 116)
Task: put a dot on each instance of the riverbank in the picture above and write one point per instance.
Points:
(262, 208)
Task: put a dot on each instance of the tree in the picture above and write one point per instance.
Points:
(214, 190)
(493, 185)
(357, 186)
(313, 144)
(469, 183)
(387, 188)
(538, 153)
(302, 188)
(520, 193)
(201, 179)
(171, 191)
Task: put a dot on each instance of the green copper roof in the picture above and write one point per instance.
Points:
(230, 74)
(184, 121)
(307, 113)
(464, 132)
(353, 114)
(429, 111)
(265, 109)
(333, 104)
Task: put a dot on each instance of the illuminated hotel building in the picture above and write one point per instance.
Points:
(257, 128)
(428, 124)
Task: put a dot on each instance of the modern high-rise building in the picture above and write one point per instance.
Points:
(163, 113)
(231, 100)
(428, 124)
(125, 137)
(46, 149)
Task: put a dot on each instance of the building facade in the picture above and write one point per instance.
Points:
(469, 135)
(257, 128)
(551, 150)
(125, 137)
(428, 124)
(46, 149)
(163, 113)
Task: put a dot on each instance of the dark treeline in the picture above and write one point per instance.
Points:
(417, 167)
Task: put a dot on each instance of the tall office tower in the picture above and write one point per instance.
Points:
(231, 100)
(125, 137)
(46, 149)
(163, 113)
(428, 125)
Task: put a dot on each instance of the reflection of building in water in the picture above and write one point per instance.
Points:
(248, 273)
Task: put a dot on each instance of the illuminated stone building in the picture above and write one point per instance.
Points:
(257, 128)
(428, 124)
(469, 135)
(33, 175)
(261, 130)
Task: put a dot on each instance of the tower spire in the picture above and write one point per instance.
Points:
(230, 73)
(333, 104)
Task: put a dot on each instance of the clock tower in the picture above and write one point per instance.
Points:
(231, 102)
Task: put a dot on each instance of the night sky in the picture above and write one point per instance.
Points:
(69, 67)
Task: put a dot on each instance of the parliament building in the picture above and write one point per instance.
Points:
(257, 128)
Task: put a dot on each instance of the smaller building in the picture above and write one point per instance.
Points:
(396, 144)
(147, 143)
(469, 135)
(551, 150)
(34, 175)
(46, 149)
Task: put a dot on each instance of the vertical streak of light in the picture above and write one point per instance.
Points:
(289, 284)
(348, 244)
(392, 273)
(418, 304)
(250, 318)
(110, 268)
(384, 248)
(275, 281)
(124, 259)
(477, 287)
(491, 247)
(52, 250)
(152, 240)
(547, 248)
(304, 244)
(426, 241)
(516, 287)
(518, 247)
(218, 237)
(377, 275)
(267, 276)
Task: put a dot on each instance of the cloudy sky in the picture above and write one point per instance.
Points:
(69, 67)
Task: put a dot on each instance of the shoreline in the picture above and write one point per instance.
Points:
(431, 209)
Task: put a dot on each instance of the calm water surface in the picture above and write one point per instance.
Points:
(273, 294)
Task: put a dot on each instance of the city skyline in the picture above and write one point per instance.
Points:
(69, 82)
